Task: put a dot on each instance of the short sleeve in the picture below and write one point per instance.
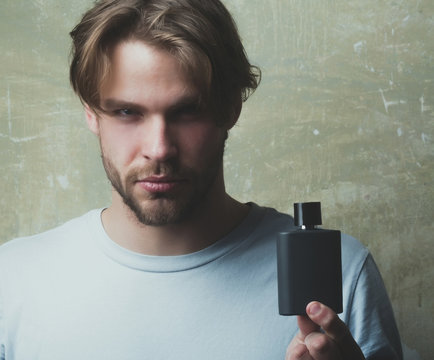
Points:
(372, 322)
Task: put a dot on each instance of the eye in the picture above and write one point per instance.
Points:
(192, 109)
(125, 112)
(188, 112)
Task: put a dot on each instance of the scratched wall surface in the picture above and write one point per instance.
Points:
(49, 161)
(344, 115)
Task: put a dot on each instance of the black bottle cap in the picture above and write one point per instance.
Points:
(307, 214)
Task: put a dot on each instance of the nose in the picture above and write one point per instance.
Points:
(159, 140)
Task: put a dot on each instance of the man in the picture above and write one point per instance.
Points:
(174, 268)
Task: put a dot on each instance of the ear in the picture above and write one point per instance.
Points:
(91, 119)
(235, 113)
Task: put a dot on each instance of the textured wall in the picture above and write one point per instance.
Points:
(344, 115)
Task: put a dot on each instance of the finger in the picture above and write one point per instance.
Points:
(297, 351)
(326, 318)
(322, 347)
(306, 326)
(335, 328)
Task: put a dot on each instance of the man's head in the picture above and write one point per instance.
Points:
(201, 34)
(162, 82)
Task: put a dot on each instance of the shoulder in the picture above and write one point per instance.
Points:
(354, 255)
(41, 245)
(277, 221)
(272, 221)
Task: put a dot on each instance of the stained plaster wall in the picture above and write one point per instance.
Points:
(344, 115)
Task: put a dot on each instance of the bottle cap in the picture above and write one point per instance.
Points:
(307, 214)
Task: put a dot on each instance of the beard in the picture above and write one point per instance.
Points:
(165, 208)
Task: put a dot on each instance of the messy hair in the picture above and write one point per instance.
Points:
(200, 34)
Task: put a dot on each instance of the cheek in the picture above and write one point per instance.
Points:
(203, 143)
(118, 145)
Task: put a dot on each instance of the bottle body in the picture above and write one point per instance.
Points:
(309, 268)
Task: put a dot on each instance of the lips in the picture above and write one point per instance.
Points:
(160, 184)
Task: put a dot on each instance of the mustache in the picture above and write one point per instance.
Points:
(169, 169)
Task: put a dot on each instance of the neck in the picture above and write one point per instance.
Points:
(209, 222)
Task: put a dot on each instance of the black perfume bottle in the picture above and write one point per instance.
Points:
(309, 264)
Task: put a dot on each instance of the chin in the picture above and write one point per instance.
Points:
(162, 212)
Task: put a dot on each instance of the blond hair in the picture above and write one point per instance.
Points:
(201, 34)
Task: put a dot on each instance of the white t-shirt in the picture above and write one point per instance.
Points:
(72, 293)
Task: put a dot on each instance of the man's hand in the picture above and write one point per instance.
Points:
(322, 336)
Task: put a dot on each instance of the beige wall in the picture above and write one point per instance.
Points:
(344, 115)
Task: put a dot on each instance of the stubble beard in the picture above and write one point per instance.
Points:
(160, 209)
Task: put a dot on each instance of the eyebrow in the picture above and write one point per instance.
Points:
(182, 103)
(111, 104)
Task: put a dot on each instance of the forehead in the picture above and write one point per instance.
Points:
(137, 68)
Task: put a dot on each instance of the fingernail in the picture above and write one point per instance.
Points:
(314, 309)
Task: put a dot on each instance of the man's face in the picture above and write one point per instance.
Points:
(161, 151)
